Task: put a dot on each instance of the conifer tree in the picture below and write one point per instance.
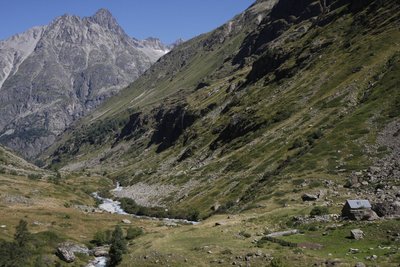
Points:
(21, 236)
(118, 246)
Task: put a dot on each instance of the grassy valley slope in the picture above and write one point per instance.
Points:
(240, 114)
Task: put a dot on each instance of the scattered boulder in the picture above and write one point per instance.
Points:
(372, 258)
(354, 250)
(357, 234)
(170, 224)
(201, 85)
(299, 220)
(216, 207)
(284, 233)
(17, 199)
(102, 251)
(66, 251)
(88, 209)
(308, 245)
(309, 197)
(126, 221)
(360, 264)
(332, 263)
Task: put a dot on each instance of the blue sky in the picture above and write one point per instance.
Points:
(165, 19)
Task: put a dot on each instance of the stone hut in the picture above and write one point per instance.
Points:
(359, 209)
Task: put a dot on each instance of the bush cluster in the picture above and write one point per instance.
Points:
(18, 252)
(133, 232)
(131, 207)
(33, 176)
(318, 210)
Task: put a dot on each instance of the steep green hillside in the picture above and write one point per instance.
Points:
(275, 103)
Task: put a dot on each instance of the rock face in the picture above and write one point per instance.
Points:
(238, 126)
(170, 125)
(52, 75)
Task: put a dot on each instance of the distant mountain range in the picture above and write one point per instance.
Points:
(52, 75)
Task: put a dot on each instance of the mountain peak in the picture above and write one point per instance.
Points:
(177, 42)
(83, 61)
(103, 13)
(104, 18)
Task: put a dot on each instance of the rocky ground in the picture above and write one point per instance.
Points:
(149, 195)
(380, 183)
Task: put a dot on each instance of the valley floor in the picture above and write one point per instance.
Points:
(56, 213)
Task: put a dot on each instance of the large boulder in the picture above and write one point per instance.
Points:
(387, 209)
(66, 251)
(65, 254)
(126, 221)
(357, 234)
(309, 197)
(370, 215)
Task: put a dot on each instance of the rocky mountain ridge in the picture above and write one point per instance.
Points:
(52, 75)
